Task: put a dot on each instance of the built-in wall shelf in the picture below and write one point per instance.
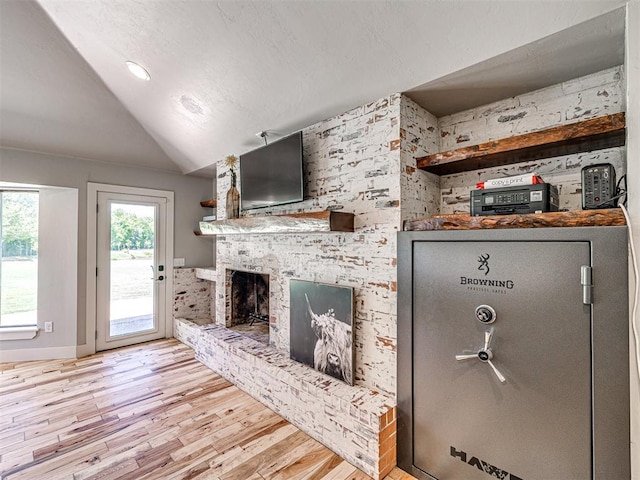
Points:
(583, 218)
(309, 222)
(206, 273)
(213, 203)
(589, 135)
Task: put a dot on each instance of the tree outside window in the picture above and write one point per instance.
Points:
(19, 255)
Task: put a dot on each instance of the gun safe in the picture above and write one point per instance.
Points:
(513, 354)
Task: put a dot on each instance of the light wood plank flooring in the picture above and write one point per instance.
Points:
(148, 412)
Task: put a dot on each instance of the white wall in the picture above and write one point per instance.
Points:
(57, 279)
(41, 169)
(632, 75)
(57, 266)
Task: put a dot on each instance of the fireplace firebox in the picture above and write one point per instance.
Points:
(247, 298)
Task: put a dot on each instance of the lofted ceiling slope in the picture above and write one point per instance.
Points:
(52, 101)
(222, 71)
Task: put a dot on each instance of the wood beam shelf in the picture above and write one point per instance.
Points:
(594, 134)
(584, 218)
(310, 222)
(209, 203)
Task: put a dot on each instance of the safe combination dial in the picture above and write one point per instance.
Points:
(485, 314)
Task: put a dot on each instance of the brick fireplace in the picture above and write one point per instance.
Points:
(363, 162)
(352, 164)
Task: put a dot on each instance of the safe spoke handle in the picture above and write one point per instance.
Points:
(488, 336)
(497, 372)
(485, 354)
(466, 356)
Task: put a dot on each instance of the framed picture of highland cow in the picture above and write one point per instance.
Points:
(322, 327)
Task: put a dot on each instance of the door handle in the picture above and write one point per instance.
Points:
(160, 269)
(485, 354)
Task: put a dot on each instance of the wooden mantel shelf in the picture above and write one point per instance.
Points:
(587, 218)
(310, 222)
(594, 134)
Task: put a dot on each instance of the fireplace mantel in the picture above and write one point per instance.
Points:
(308, 222)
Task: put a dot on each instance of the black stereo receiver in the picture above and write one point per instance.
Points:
(538, 198)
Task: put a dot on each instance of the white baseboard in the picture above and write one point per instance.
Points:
(31, 354)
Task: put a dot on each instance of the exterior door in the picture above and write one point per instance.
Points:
(502, 360)
(131, 274)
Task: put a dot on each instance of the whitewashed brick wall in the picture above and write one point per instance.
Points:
(352, 164)
(420, 136)
(583, 98)
(191, 295)
(587, 97)
(363, 161)
(563, 172)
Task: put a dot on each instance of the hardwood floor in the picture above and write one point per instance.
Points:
(148, 412)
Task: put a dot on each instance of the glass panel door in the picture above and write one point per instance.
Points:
(130, 274)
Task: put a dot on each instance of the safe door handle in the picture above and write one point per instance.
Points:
(497, 372)
(466, 356)
(485, 354)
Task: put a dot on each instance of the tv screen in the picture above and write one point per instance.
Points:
(272, 175)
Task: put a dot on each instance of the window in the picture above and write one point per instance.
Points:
(19, 258)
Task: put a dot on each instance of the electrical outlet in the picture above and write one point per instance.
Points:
(178, 262)
(48, 327)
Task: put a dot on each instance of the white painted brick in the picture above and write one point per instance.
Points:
(352, 163)
(610, 77)
(350, 415)
(598, 94)
(563, 172)
(580, 99)
(191, 295)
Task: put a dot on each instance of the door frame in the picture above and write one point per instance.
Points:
(92, 237)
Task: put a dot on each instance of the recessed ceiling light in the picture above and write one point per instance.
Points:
(138, 70)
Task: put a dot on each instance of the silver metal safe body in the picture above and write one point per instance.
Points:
(513, 354)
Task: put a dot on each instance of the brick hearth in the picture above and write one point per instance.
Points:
(356, 423)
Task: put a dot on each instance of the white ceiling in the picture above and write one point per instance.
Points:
(223, 71)
(52, 101)
(585, 48)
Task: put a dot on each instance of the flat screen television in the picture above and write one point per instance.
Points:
(272, 175)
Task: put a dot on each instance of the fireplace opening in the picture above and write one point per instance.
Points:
(247, 303)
